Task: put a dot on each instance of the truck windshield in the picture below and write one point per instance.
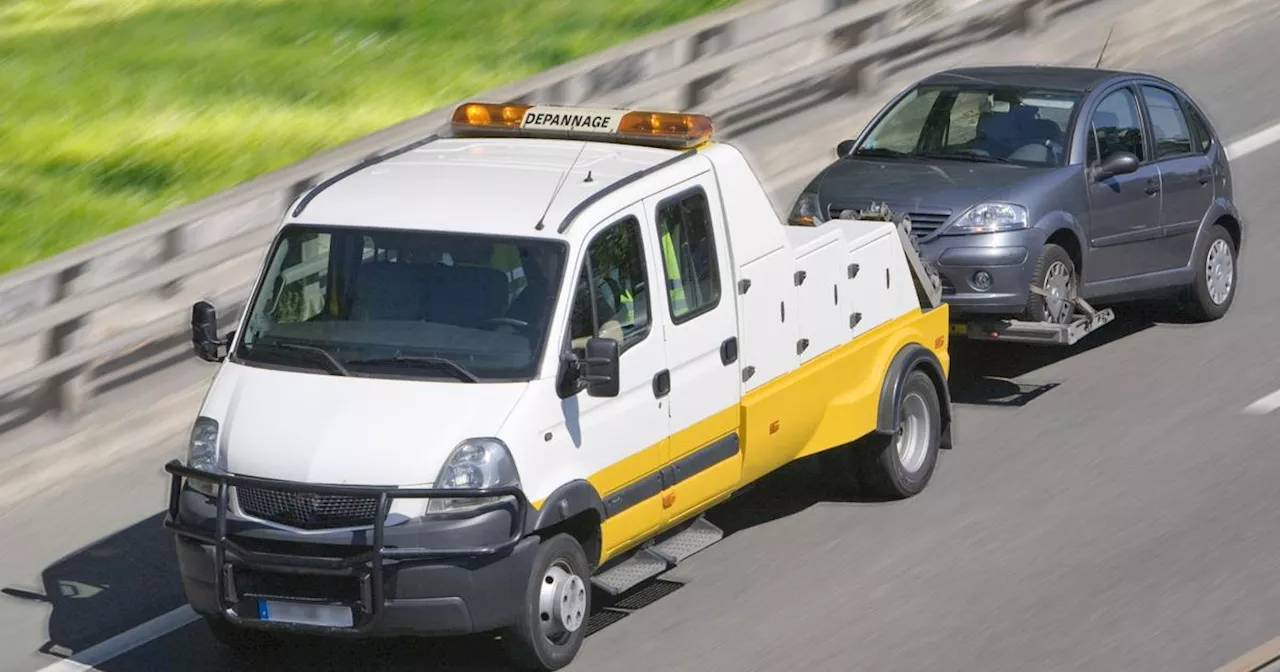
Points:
(393, 303)
(977, 123)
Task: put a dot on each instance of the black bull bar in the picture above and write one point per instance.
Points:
(366, 566)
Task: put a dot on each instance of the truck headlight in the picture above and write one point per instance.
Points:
(475, 464)
(990, 218)
(203, 454)
(806, 211)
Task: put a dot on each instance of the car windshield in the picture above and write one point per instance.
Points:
(977, 123)
(392, 303)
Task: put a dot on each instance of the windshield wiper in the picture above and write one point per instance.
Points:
(429, 362)
(331, 363)
(881, 152)
(964, 156)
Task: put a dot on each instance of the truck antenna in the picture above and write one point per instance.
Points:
(1104, 47)
(559, 185)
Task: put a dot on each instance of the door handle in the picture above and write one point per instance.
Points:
(729, 350)
(1152, 189)
(662, 383)
(1204, 176)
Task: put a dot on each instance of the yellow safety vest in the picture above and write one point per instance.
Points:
(675, 288)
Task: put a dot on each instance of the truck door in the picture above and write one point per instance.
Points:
(621, 440)
(702, 383)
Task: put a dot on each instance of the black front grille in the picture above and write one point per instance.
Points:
(307, 510)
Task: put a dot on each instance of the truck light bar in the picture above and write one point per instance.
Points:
(673, 130)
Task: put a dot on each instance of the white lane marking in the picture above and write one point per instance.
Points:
(99, 653)
(1252, 143)
(1264, 405)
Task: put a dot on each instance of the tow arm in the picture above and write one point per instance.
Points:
(1085, 319)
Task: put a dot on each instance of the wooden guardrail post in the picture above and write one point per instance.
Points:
(67, 394)
(172, 245)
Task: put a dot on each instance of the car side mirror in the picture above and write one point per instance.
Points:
(845, 148)
(600, 367)
(204, 332)
(1119, 163)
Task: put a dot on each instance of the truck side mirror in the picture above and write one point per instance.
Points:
(845, 148)
(204, 331)
(600, 367)
(1119, 163)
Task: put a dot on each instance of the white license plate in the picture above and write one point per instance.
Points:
(306, 614)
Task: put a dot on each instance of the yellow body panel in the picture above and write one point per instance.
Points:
(825, 403)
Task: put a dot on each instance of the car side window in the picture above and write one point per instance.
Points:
(1115, 127)
(688, 255)
(1203, 139)
(1172, 135)
(611, 299)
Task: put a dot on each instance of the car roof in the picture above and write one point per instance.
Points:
(502, 186)
(1065, 78)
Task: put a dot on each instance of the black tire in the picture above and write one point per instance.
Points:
(1197, 300)
(879, 467)
(1037, 306)
(525, 642)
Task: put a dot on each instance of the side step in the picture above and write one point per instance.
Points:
(1085, 321)
(658, 556)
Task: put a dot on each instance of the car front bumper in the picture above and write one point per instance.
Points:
(449, 575)
(1007, 258)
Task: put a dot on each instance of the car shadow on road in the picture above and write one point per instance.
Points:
(984, 373)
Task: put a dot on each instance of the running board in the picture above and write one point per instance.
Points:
(660, 556)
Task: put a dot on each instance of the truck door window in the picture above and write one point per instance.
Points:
(688, 255)
(611, 299)
(1116, 128)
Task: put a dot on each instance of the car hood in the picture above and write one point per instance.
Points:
(909, 184)
(348, 430)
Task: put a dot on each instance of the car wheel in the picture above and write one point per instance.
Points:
(900, 465)
(1214, 288)
(1056, 273)
(557, 603)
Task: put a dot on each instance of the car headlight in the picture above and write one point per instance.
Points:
(806, 211)
(203, 454)
(475, 464)
(990, 218)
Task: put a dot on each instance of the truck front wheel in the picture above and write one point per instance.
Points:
(557, 603)
(899, 465)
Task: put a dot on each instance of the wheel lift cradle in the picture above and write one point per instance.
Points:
(1085, 319)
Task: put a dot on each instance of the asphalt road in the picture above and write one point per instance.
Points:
(1107, 508)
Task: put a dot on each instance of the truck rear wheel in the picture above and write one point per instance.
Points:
(900, 465)
(557, 603)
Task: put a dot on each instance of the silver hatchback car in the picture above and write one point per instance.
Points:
(1100, 184)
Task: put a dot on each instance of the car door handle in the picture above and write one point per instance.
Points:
(1204, 176)
(1152, 189)
(662, 383)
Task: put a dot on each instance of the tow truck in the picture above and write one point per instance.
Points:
(483, 374)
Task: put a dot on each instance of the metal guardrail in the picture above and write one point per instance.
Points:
(856, 39)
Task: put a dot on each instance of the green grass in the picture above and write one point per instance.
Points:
(113, 111)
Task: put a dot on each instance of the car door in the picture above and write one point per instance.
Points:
(1124, 210)
(621, 440)
(701, 323)
(1186, 175)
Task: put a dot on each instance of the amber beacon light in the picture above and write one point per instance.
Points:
(663, 129)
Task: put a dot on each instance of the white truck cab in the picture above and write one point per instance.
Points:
(483, 373)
